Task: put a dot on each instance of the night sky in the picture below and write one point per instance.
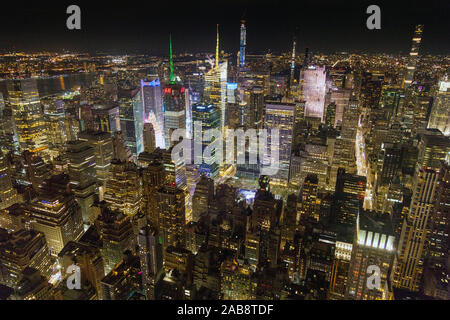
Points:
(144, 26)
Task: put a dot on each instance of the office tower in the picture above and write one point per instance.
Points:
(120, 151)
(413, 56)
(390, 101)
(203, 197)
(312, 90)
(106, 118)
(313, 160)
(281, 117)
(341, 98)
(216, 85)
(124, 280)
(116, 231)
(123, 190)
(82, 174)
(344, 147)
(182, 260)
(349, 196)
(433, 148)
(330, 117)
(8, 195)
(436, 270)
(236, 280)
(374, 245)
(151, 259)
(175, 100)
(440, 112)
(89, 259)
(153, 178)
(152, 101)
(36, 170)
(149, 138)
(309, 202)
(101, 143)
(24, 99)
(9, 142)
(56, 214)
(255, 115)
(172, 211)
(370, 91)
(341, 264)
(132, 119)
(33, 286)
(289, 221)
(209, 117)
(22, 249)
(242, 43)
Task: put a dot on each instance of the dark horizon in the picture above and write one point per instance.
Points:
(326, 27)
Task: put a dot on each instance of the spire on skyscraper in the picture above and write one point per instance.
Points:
(217, 47)
(171, 76)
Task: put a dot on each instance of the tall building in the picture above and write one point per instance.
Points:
(242, 44)
(374, 245)
(281, 117)
(24, 99)
(124, 187)
(209, 116)
(433, 148)
(56, 214)
(203, 197)
(151, 258)
(309, 203)
(172, 220)
(313, 88)
(22, 249)
(8, 195)
(132, 119)
(149, 138)
(440, 112)
(413, 56)
(117, 235)
(349, 197)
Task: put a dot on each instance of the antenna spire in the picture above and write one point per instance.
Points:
(171, 76)
(217, 47)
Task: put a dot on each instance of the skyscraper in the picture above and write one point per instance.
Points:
(132, 119)
(24, 99)
(440, 112)
(313, 88)
(8, 195)
(413, 55)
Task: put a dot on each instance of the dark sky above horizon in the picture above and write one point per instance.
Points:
(144, 26)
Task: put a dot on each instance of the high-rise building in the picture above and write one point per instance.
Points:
(242, 44)
(22, 249)
(209, 117)
(124, 187)
(56, 214)
(8, 195)
(172, 212)
(24, 99)
(413, 56)
(117, 235)
(313, 88)
(149, 138)
(282, 118)
(132, 119)
(440, 112)
(151, 258)
(309, 202)
(203, 197)
(374, 246)
(433, 148)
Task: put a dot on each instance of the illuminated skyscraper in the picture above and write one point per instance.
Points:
(21, 249)
(374, 245)
(440, 112)
(117, 235)
(57, 215)
(132, 119)
(309, 203)
(433, 148)
(149, 138)
(175, 98)
(281, 117)
(313, 88)
(153, 107)
(124, 188)
(413, 55)
(209, 117)
(8, 195)
(24, 99)
(203, 197)
(172, 221)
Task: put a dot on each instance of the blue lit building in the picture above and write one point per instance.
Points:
(131, 113)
